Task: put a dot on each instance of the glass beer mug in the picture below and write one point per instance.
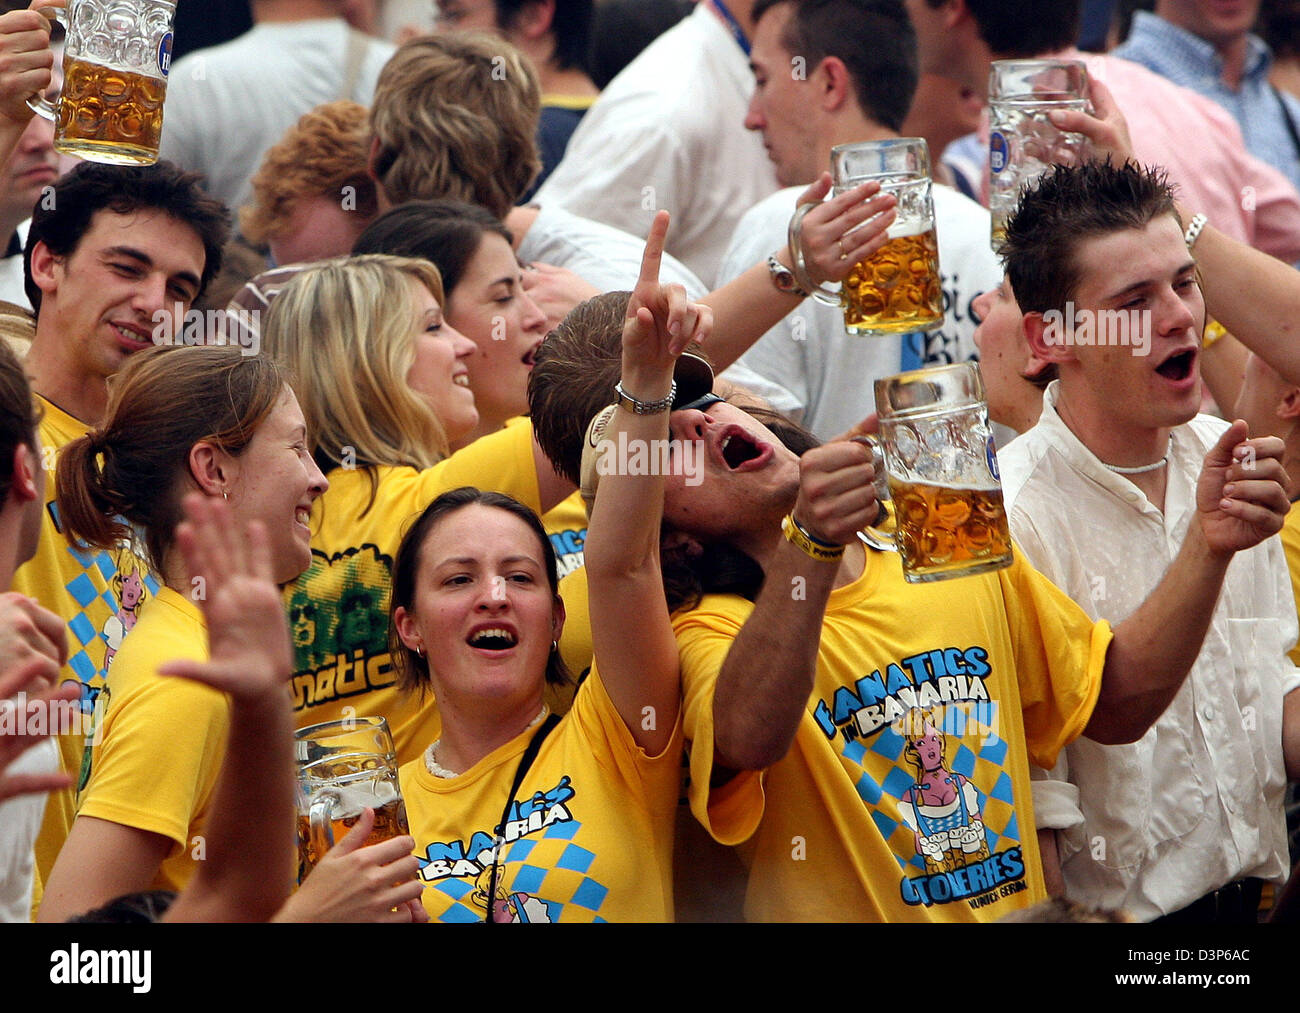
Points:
(115, 64)
(345, 767)
(1023, 142)
(943, 473)
(897, 290)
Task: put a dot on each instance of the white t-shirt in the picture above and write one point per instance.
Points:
(605, 257)
(809, 366)
(227, 104)
(20, 822)
(668, 132)
(11, 272)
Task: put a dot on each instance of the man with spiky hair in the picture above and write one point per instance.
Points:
(867, 740)
(1187, 821)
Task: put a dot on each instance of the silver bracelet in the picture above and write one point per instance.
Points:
(1198, 223)
(627, 401)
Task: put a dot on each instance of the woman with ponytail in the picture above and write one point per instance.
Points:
(180, 420)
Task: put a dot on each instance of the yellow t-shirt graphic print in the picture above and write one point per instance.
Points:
(905, 796)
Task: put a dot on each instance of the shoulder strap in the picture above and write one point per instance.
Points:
(525, 761)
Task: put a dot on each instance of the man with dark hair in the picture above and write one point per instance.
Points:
(1201, 147)
(555, 36)
(115, 257)
(832, 72)
(70, 210)
(1209, 47)
(1187, 822)
(867, 739)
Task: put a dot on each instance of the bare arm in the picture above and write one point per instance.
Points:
(749, 306)
(639, 668)
(82, 880)
(763, 687)
(1053, 878)
(1291, 734)
(1255, 296)
(1239, 502)
(1223, 366)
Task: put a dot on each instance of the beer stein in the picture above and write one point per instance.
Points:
(898, 289)
(115, 64)
(345, 767)
(943, 473)
(1023, 142)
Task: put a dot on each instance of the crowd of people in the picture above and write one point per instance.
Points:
(456, 366)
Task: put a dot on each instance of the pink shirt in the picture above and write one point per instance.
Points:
(1201, 146)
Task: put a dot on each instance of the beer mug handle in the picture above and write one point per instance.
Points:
(322, 811)
(877, 538)
(794, 235)
(39, 104)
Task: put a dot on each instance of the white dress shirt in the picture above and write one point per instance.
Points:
(1197, 802)
(669, 132)
(598, 254)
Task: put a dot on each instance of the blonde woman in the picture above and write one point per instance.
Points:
(383, 384)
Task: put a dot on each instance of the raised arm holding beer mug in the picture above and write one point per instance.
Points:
(116, 61)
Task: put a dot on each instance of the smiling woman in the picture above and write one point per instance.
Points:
(384, 383)
(485, 297)
(520, 815)
(152, 764)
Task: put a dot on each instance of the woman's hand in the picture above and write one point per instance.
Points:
(360, 884)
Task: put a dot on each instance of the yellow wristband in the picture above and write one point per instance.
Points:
(805, 543)
(1213, 332)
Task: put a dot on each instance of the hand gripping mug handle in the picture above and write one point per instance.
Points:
(39, 104)
(876, 537)
(794, 235)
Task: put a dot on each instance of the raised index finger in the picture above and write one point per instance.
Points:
(654, 250)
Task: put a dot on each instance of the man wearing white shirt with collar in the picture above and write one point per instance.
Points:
(1187, 822)
(668, 132)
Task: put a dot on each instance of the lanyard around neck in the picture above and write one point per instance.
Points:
(729, 19)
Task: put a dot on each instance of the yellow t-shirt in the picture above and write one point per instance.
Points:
(84, 587)
(590, 838)
(566, 523)
(338, 608)
(905, 796)
(163, 740)
(1291, 546)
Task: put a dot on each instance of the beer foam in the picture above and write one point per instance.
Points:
(954, 486)
(352, 798)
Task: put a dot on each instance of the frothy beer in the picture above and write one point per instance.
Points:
(942, 528)
(897, 290)
(390, 821)
(109, 115)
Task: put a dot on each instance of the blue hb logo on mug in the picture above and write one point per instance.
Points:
(165, 54)
(997, 153)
